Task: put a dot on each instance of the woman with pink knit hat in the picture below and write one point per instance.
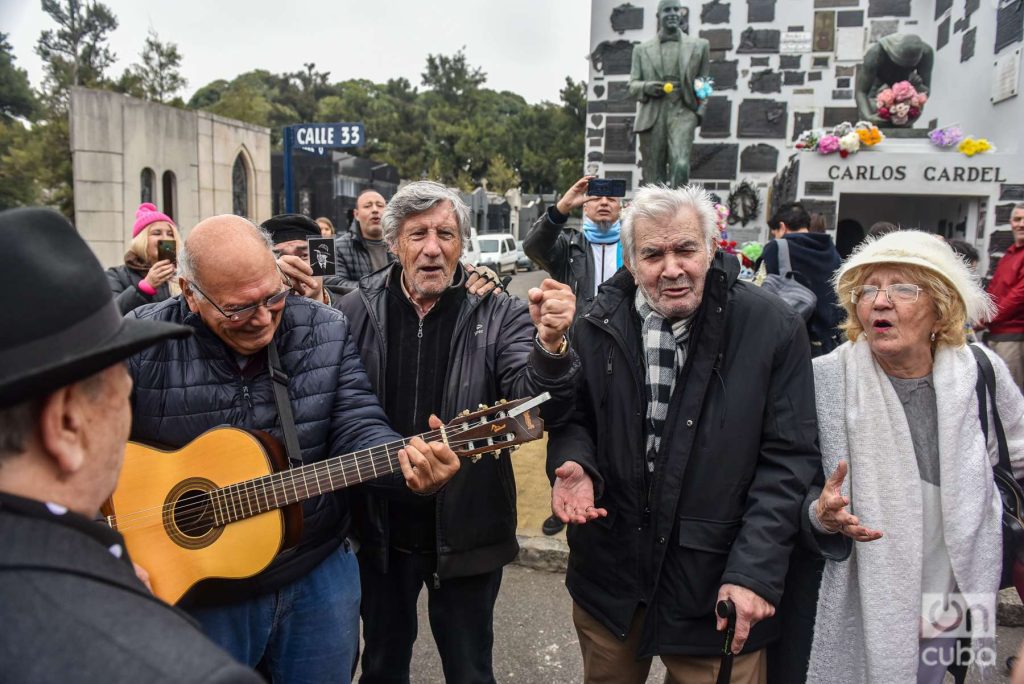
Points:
(145, 277)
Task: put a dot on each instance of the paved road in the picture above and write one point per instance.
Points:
(524, 280)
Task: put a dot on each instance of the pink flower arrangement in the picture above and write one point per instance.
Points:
(900, 104)
(828, 144)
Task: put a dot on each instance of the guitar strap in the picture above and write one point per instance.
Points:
(279, 381)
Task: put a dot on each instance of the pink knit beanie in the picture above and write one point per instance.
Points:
(147, 213)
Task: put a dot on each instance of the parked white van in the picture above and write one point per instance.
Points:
(471, 251)
(498, 252)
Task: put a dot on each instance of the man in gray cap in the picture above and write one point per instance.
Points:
(72, 605)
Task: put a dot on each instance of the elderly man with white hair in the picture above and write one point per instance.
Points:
(689, 456)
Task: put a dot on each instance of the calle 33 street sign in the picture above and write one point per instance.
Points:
(320, 137)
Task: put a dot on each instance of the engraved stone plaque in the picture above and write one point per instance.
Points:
(713, 161)
(941, 7)
(850, 18)
(760, 10)
(1009, 191)
(825, 208)
(613, 57)
(1009, 24)
(829, 4)
(619, 99)
(715, 12)
(820, 63)
(842, 94)
(883, 28)
(802, 121)
(766, 82)
(717, 118)
(627, 18)
(762, 119)
(888, 8)
(758, 61)
(789, 61)
(942, 36)
(814, 76)
(621, 175)
(967, 45)
(824, 31)
(1003, 212)
(792, 78)
(597, 106)
(759, 41)
(759, 158)
(720, 39)
(819, 188)
(724, 73)
(836, 115)
(620, 143)
(595, 132)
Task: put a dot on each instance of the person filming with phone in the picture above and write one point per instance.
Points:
(150, 263)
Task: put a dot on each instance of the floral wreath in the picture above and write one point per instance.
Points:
(744, 204)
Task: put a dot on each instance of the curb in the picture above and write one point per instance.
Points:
(551, 554)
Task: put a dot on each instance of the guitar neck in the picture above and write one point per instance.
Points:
(262, 494)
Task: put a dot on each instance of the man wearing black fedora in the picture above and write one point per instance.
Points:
(72, 606)
(300, 616)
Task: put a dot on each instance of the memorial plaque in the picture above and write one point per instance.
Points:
(762, 119)
(820, 63)
(717, 55)
(613, 57)
(831, 4)
(941, 7)
(1003, 212)
(715, 12)
(724, 73)
(759, 40)
(1006, 76)
(595, 132)
(795, 42)
(1011, 191)
(819, 188)
(960, 25)
(627, 18)
(849, 44)
(967, 45)
(595, 156)
(850, 18)
(842, 94)
(794, 29)
(1009, 24)
(619, 141)
(888, 8)
(760, 10)
(882, 28)
(766, 82)
(597, 106)
(758, 61)
(596, 119)
(599, 90)
(759, 158)
(792, 78)
(719, 39)
(842, 83)
(621, 175)
(713, 161)
(596, 142)
(942, 36)
(845, 71)
(825, 208)
(836, 115)
(824, 31)
(789, 61)
(619, 99)
(802, 121)
(717, 118)
(814, 76)
(971, 6)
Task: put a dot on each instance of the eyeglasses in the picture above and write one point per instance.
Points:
(245, 313)
(897, 293)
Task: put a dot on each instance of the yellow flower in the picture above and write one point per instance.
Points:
(668, 88)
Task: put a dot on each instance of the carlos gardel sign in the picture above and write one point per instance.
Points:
(930, 174)
(318, 137)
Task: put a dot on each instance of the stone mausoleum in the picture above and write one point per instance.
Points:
(190, 164)
(785, 66)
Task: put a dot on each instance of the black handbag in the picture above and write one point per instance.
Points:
(1009, 489)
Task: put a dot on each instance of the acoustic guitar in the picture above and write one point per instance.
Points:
(226, 504)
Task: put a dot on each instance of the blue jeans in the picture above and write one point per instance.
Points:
(307, 631)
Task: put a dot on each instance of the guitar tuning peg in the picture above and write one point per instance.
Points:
(475, 458)
(503, 401)
(465, 413)
(481, 407)
(496, 454)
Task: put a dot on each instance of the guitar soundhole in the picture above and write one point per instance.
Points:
(189, 517)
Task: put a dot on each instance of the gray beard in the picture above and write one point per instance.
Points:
(604, 226)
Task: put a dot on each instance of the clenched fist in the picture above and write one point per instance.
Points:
(552, 307)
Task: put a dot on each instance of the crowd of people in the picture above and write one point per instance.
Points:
(813, 489)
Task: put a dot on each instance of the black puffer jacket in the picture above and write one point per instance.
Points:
(738, 452)
(124, 283)
(352, 260)
(185, 387)
(493, 356)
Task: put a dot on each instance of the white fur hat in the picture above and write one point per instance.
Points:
(927, 251)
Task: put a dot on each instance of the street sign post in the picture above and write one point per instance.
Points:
(317, 138)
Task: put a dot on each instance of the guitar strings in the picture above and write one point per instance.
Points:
(199, 504)
(147, 517)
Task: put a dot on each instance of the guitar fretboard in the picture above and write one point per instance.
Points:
(263, 494)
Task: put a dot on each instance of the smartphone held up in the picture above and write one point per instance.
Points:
(606, 187)
(167, 250)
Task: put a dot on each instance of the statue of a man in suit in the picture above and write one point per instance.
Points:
(662, 80)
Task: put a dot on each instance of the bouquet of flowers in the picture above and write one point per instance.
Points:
(900, 104)
(846, 138)
(971, 146)
(946, 137)
(703, 87)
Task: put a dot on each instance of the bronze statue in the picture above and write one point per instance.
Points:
(662, 81)
(896, 57)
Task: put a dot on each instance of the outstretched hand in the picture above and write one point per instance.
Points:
(833, 514)
(572, 495)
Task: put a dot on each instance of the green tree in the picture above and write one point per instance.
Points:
(500, 176)
(76, 53)
(16, 97)
(19, 165)
(159, 75)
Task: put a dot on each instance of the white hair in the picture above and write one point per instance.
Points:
(661, 203)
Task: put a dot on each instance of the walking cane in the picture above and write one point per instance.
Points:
(726, 609)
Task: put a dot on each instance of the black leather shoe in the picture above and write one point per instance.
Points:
(552, 526)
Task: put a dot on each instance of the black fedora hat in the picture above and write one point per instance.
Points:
(288, 227)
(60, 321)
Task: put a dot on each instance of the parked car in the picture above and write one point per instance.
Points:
(498, 252)
(471, 253)
(522, 261)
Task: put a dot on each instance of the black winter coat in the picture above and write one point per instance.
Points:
(124, 283)
(352, 260)
(564, 253)
(185, 387)
(738, 452)
(493, 356)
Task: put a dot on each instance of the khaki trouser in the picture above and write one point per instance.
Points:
(606, 660)
(1012, 353)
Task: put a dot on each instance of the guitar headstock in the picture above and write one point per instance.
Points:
(493, 428)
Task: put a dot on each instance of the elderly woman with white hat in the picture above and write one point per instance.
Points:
(910, 474)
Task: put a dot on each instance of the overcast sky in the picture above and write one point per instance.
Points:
(525, 46)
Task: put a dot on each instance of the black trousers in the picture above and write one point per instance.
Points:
(461, 612)
(787, 657)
